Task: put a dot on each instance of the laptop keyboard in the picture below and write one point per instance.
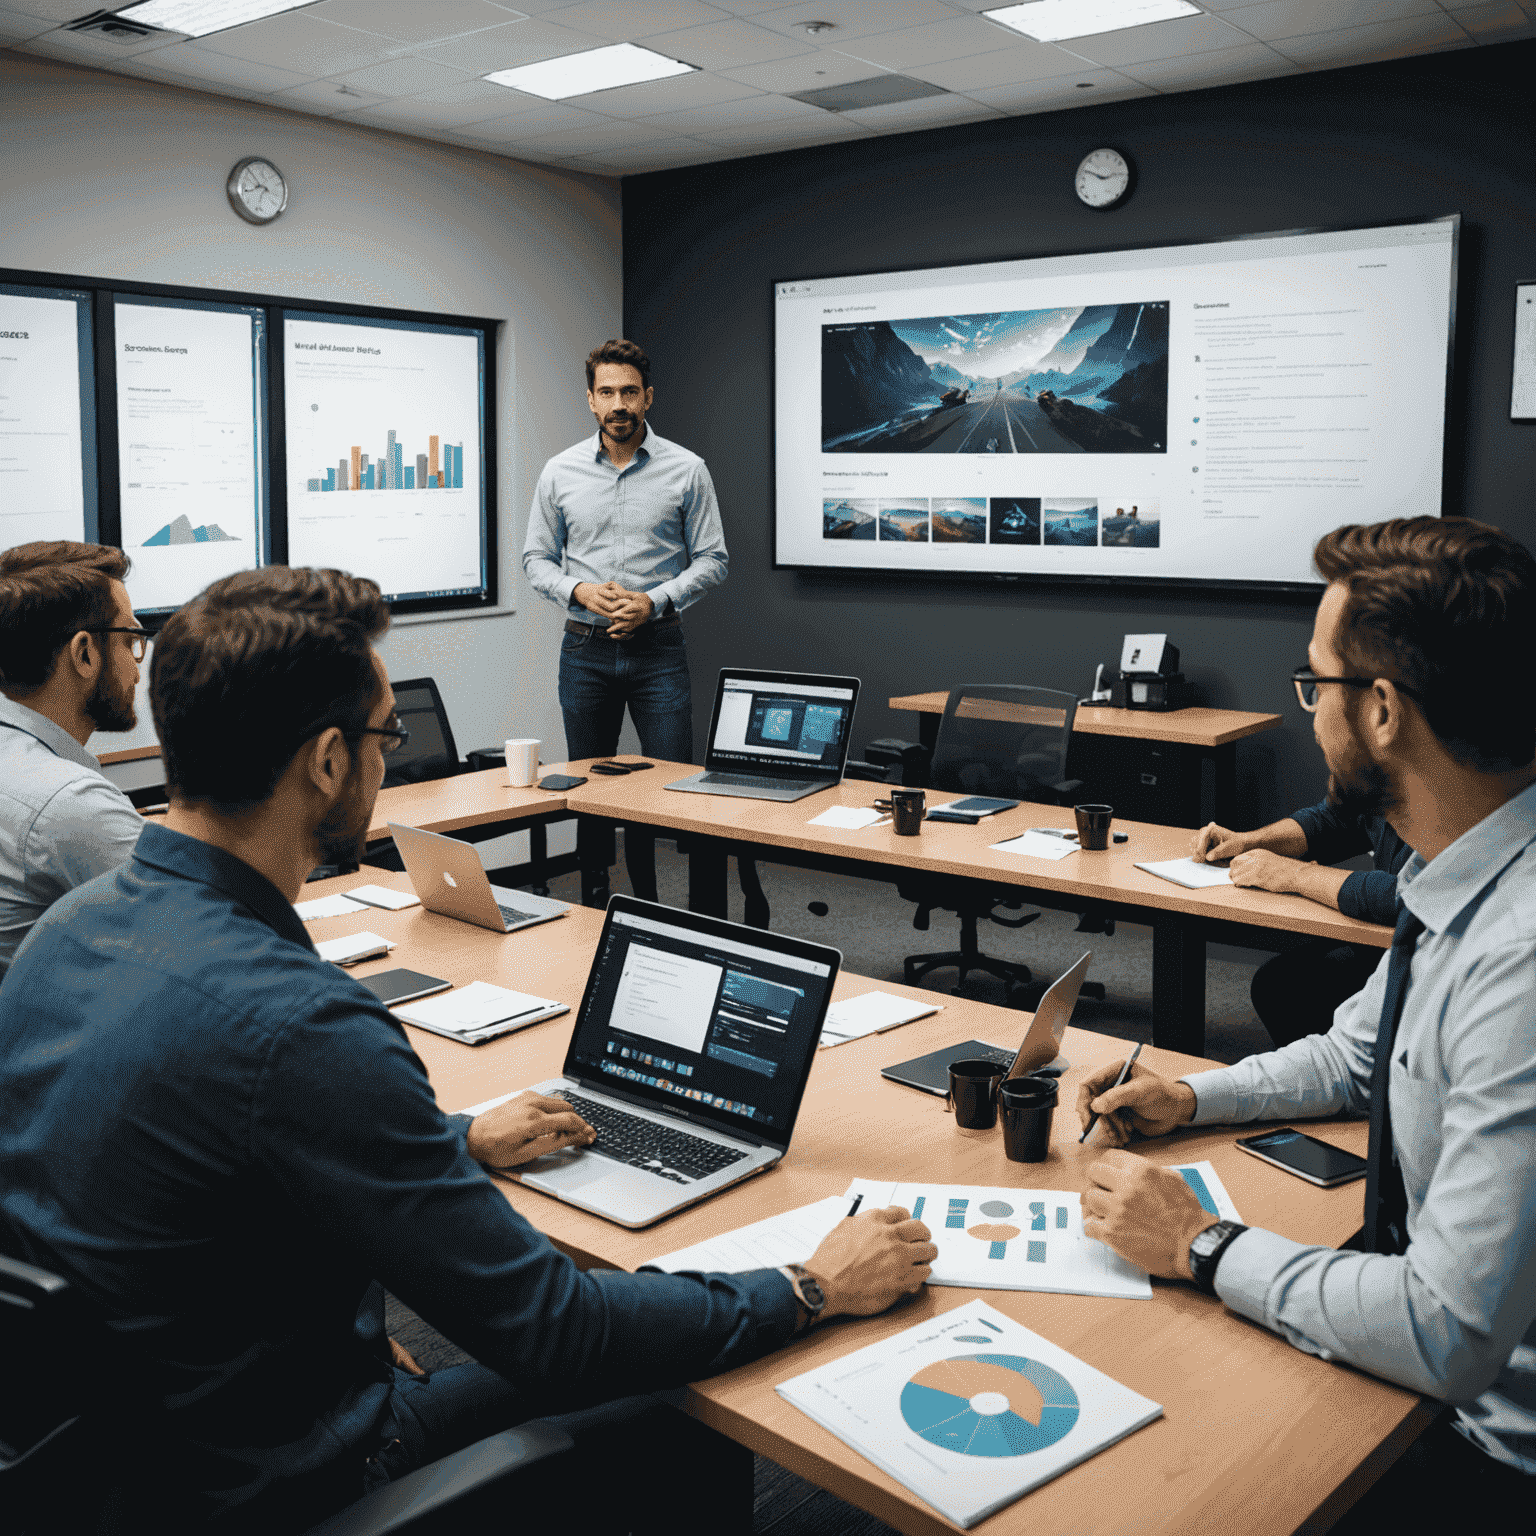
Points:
(514, 914)
(644, 1144)
(747, 781)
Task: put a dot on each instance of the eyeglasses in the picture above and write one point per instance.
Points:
(139, 644)
(1306, 682)
(395, 736)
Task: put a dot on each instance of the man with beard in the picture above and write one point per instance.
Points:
(625, 533)
(69, 663)
(227, 1145)
(1439, 1048)
(1296, 992)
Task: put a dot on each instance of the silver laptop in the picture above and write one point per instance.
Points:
(689, 1059)
(448, 877)
(1038, 1051)
(775, 735)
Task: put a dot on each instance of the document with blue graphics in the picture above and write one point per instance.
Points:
(970, 1409)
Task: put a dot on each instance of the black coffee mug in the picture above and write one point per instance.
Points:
(907, 806)
(973, 1093)
(1093, 825)
(1026, 1106)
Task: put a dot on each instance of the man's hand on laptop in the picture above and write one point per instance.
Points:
(870, 1261)
(529, 1126)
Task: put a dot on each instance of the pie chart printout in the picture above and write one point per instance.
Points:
(989, 1405)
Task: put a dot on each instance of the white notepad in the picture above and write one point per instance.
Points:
(326, 906)
(1037, 845)
(790, 1238)
(1186, 872)
(871, 1014)
(850, 817)
(353, 947)
(382, 896)
(479, 1012)
(970, 1409)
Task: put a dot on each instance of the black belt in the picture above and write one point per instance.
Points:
(575, 627)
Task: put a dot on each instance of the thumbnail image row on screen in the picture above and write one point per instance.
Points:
(1079, 521)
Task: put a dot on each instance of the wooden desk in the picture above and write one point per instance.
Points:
(1182, 921)
(469, 800)
(1250, 1424)
(1198, 747)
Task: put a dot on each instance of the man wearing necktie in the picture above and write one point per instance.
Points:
(1415, 683)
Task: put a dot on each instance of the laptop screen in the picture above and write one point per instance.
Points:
(705, 1017)
(782, 723)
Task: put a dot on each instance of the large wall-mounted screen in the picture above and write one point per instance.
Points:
(1189, 413)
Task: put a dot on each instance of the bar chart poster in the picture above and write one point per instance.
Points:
(47, 420)
(385, 464)
(190, 386)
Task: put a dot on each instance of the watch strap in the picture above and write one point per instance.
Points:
(809, 1295)
(1206, 1250)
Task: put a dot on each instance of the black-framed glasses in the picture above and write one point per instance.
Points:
(395, 736)
(1306, 682)
(139, 644)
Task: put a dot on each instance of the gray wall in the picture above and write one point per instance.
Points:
(106, 176)
(702, 248)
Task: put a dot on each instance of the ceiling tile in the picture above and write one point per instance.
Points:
(403, 77)
(1053, 95)
(679, 94)
(55, 11)
(588, 140)
(956, 38)
(324, 97)
(825, 129)
(855, 18)
(17, 27)
(622, 21)
(298, 41)
(451, 106)
(752, 7)
(726, 45)
(81, 47)
(540, 117)
(1494, 23)
(1003, 66)
(929, 112)
(806, 72)
(1162, 40)
(409, 21)
(1271, 20)
(1363, 45)
(762, 108)
(1227, 66)
(520, 42)
(211, 70)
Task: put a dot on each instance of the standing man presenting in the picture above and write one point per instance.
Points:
(625, 532)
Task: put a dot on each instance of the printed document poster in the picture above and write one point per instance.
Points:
(384, 452)
(46, 389)
(190, 452)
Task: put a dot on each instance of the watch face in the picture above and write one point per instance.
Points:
(1103, 178)
(258, 191)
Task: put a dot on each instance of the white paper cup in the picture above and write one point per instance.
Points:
(522, 761)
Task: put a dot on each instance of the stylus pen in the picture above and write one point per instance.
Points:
(858, 1200)
(1125, 1072)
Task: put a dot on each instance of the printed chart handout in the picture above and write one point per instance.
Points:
(190, 454)
(970, 1409)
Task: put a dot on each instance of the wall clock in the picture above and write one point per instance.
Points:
(1103, 178)
(257, 191)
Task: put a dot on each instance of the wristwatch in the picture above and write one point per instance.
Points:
(1206, 1249)
(808, 1292)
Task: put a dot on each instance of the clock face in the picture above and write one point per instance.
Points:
(257, 190)
(1103, 178)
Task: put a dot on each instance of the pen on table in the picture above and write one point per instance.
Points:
(1065, 836)
(858, 1200)
(1125, 1072)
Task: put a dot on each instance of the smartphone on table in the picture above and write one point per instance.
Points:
(1308, 1158)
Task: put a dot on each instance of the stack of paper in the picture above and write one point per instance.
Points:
(1038, 845)
(777, 1240)
(382, 896)
(326, 906)
(871, 1014)
(478, 1012)
(1188, 873)
(353, 947)
(849, 817)
(969, 1410)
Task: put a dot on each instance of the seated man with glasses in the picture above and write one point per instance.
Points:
(1296, 992)
(69, 663)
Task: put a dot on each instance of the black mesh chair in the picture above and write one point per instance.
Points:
(430, 753)
(1008, 741)
(65, 1444)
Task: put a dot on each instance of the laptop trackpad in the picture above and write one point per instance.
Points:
(564, 1174)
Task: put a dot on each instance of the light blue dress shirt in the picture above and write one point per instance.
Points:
(62, 821)
(1454, 1317)
(653, 526)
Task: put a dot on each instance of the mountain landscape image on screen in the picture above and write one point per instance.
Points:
(1088, 379)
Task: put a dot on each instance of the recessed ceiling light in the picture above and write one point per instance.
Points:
(1050, 21)
(601, 69)
(197, 18)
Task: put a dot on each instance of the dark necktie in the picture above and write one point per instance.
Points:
(1386, 1201)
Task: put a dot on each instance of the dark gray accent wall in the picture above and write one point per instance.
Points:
(703, 246)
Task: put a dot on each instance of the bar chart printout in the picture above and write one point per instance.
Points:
(385, 446)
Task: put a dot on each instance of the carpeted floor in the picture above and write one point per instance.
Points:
(873, 929)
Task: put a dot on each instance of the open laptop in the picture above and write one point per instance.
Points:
(689, 1059)
(448, 877)
(1039, 1050)
(775, 735)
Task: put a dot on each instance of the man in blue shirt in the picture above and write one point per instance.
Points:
(1439, 1048)
(227, 1144)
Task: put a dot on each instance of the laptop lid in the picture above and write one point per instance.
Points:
(790, 725)
(449, 878)
(1042, 1040)
(705, 1020)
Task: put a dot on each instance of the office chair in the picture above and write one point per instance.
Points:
(1009, 741)
(60, 1439)
(430, 753)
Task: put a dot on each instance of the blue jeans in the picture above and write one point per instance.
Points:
(648, 672)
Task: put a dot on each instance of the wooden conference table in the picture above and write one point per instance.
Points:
(1252, 1428)
(1112, 748)
(1182, 921)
